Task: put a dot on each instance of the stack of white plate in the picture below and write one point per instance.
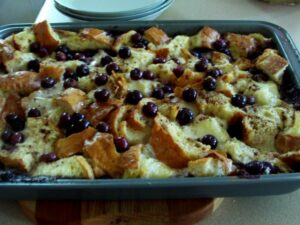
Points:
(95, 10)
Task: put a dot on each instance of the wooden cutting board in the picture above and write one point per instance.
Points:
(129, 212)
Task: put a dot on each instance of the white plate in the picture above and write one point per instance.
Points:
(149, 15)
(109, 15)
(108, 7)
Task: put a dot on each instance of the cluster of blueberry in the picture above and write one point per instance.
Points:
(12, 135)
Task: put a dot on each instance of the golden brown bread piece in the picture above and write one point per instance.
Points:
(123, 39)
(156, 35)
(272, 64)
(23, 82)
(289, 139)
(103, 154)
(292, 159)
(71, 100)
(40, 135)
(45, 35)
(75, 166)
(74, 143)
(259, 132)
(213, 164)
(12, 103)
(23, 40)
(171, 147)
(241, 45)
(190, 77)
(98, 35)
(89, 38)
(6, 52)
(205, 38)
(54, 71)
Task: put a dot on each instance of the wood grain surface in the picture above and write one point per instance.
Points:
(129, 212)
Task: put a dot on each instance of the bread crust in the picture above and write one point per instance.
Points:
(156, 35)
(103, 154)
(23, 82)
(45, 35)
(74, 143)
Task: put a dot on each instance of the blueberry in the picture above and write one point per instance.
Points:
(82, 70)
(121, 144)
(136, 38)
(251, 100)
(145, 42)
(112, 67)
(103, 127)
(202, 65)
(158, 93)
(70, 83)
(80, 56)
(16, 137)
(220, 44)
(197, 52)
(43, 52)
(111, 52)
(63, 48)
(8, 175)
(106, 60)
(64, 120)
(69, 56)
(167, 88)
(209, 84)
(34, 112)
(159, 60)
(226, 51)
(150, 109)
(239, 100)
(70, 130)
(210, 140)
(140, 45)
(16, 122)
(34, 65)
(189, 95)
(184, 116)
(81, 125)
(70, 74)
(133, 97)
(48, 157)
(5, 136)
(101, 79)
(178, 71)
(48, 82)
(148, 75)
(35, 47)
(215, 73)
(77, 117)
(60, 56)
(102, 95)
(124, 53)
(89, 53)
(11, 118)
(259, 167)
(136, 74)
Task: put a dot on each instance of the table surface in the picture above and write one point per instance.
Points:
(275, 210)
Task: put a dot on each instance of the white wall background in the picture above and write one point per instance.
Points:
(19, 11)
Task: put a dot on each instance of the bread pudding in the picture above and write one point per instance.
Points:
(94, 104)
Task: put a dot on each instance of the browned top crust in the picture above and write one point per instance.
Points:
(45, 35)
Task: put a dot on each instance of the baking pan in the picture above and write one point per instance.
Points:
(171, 188)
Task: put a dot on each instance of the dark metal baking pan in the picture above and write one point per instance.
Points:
(172, 188)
